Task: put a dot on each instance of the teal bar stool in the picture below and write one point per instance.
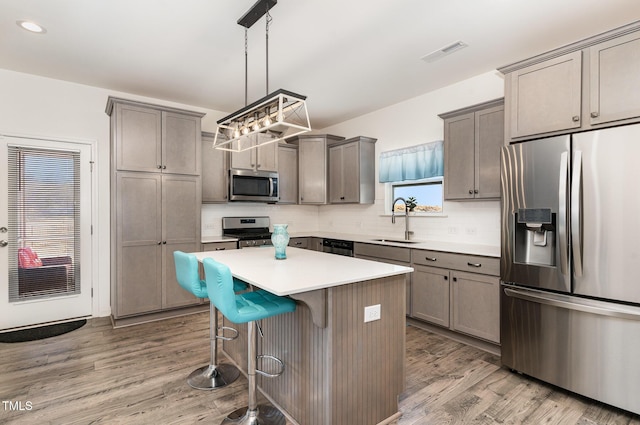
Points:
(247, 308)
(214, 375)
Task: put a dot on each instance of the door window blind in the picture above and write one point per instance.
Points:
(44, 220)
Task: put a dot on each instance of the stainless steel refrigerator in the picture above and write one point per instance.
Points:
(570, 265)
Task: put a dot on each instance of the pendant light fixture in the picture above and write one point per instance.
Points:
(277, 116)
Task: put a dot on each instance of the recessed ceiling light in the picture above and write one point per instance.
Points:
(31, 26)
(444, 51)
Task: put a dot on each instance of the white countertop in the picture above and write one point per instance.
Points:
(302, 271)
(454, 247)
(220, 238)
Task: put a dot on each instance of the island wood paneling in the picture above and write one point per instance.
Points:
(348, 373)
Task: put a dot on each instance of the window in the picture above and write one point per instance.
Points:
(427, 194)
(44, 193)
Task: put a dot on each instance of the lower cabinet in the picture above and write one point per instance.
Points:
(475, 306)
(299, 242)
(453, 291)
(431, 295)
(155, 215)
(387, 254)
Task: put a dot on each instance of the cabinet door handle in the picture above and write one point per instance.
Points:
(160, 243)
(575, 118)
(164, 242)
(431, 258)
(220, 249)
(474, 264)
(455, 279)
(298, 243)
(446, 277)
(470, 192)
(475, 190)
(342, 198)
(159, 167)
(164, 167)
(595, 114)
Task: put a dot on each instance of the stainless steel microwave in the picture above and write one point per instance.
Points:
(256, 186)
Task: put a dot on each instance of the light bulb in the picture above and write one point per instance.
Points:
(256, 125)
(245, 130)
(236, 133)
(267, 121)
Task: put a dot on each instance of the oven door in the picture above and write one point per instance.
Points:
(256, 186)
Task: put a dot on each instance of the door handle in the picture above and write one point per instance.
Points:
(576, 212)
(562, 212)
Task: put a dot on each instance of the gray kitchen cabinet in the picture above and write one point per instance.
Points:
(145, 275)
(473, 137)
(546, 96)
(391, 255)
(475, 303)
(215, 172)
(219, 246)
(263, 158)
(151, 138)
(585, 85)
(288, 173)
(155, 209)
(299, 242)
(457, 291)
(313, 167)
(315, 244)
(351, 171)
(430, 295)
(614, 77)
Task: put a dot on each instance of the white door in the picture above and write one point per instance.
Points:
(45, 231)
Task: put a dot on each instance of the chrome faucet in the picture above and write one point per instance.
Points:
(407, 233)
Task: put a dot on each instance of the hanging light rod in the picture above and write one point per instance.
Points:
(275, 117)
(256, 12)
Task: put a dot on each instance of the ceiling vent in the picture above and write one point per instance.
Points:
(444, 51)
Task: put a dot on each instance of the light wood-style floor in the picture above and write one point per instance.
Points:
(136, 375)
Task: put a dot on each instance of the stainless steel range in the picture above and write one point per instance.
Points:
(250, 231)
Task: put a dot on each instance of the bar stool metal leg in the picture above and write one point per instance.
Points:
(254, 414)
(214, 375)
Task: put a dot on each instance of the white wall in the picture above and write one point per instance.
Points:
(53, 109)
(47, 108)
(410, 123)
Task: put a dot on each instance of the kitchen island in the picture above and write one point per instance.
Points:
(339, 369)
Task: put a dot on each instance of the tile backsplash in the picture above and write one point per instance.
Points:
(476, 222)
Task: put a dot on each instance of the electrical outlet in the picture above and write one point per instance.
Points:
(371, 313)
(453, 230)
(471, 231)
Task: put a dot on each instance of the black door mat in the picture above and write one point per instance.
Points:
(41, 332)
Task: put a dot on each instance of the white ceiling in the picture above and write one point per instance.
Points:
(349, 57)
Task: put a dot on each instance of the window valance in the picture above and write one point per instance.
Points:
(412, 163)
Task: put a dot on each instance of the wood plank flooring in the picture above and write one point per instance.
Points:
(136, 375)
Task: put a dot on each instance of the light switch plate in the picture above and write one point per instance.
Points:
(371, 313)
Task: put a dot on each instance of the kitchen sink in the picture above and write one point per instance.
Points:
(395, 241)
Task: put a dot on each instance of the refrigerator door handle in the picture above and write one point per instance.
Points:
(562, 212)
(576, 213)
(572, 303)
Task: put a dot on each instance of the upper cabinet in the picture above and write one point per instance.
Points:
(351, 171)
(473, 137)
(263, 158)
(546, 96)
(215, 171)
(154, 139)
(313, 167)
(288, 173)
(582, 86)
(614, 81)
